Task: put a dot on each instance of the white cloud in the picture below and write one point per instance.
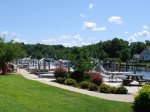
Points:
(48, 41)
(67, 44)
(77, 37)
(69, 40)
(99, 28)
(89, 25)
(143, 33)
(19, 40)
(91, 5)
(86, 43)
(132, 39)
(115, 19)
(82, 15)
(145, 27)
(71, 44)
(65, 37)
(66, 40)
(4, 33)
(91, 39)
(14, 33)
(126, 32)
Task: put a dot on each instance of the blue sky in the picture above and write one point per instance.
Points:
(74, 22)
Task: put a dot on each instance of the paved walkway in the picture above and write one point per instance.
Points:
(114, 97)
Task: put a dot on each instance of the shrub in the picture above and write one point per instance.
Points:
(60, 72)
(121, 90)
(70, 82)
(142, 99)
(113, 89)
(105, 88)
(93, 87)
(84, 84)
(77, 75)
(60, 80)
(87, 76)
(96, 78)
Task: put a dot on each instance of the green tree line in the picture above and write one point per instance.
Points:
(115, 48)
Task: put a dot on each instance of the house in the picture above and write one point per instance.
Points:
(145, 54)
(136, 57)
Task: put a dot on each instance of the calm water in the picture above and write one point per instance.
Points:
(146, 73)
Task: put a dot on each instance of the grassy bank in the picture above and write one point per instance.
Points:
(18, 94)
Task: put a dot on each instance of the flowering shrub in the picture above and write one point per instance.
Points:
(60, 72)
(96, 78)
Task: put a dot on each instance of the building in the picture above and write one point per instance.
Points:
(145, 54)
(136, 57)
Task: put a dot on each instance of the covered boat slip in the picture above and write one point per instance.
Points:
(44, 67)
(112, 76)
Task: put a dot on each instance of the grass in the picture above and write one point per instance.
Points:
(18, 94)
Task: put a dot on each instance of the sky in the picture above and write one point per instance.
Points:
(74, 22)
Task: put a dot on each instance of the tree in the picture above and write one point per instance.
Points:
(114, 48)
(9, 51)
(81, 59)
(137, 47)
(125, 55)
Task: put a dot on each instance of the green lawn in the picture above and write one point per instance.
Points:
(18, 94)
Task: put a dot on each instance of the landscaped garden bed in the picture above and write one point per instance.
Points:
(89, 81)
